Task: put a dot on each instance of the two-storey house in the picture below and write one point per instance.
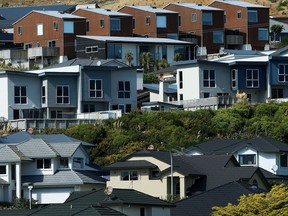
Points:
(46, 168)
(106, 22)
(201, 23)
(49, 36)
(246, 24)
(150, 21)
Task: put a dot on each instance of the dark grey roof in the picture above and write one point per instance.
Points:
(12, 14)
(90, 177)
(140, 164)
(6, 37)
(202, 204)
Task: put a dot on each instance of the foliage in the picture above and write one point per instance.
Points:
(145, 58)
(274, 202)
(276, 29)
(149, 78)
(177, 57)
(282, 6)
(161, 63)
(129, 57)
(22, 203)
(283, 43)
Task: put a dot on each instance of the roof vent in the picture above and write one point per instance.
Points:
(154, 7)
(199, 4)
(108, 10)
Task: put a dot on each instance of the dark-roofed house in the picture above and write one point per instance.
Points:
(54, 166)
(260, 151)
(151, 172)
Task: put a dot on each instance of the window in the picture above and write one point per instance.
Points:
(233, 78)
(142, 211)
(252, 16)
(249, 159)
(123, 89)
(62, 94)
(194, 17)
(161, 22)
(114, 51)
(179, 20)
(277, 93)
(283, 160)
(133, 23)
(52, 43)
(40, 29)
(64, 163)
(95, 89)
(27, 46)
(91, 49)
(239, 14)
(68, 27)
(87, 26)
(56, 114)
(206, 94)
(207, 18)
(209, 78)
(218, 37)
(88, 108)
(183, 50)
(262, 34)
(20, 95)
(177, 188)
(78, 163)
(43, 94)
(43, 163)
(147, 20)
(129, 175)
(20, 30)
(101, 23)
(115, 24)
(283, 73)
(55, 25)
(180, 79)
(252, 78)
(3, 170)
(181, 97)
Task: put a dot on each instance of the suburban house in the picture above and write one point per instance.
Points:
(71, 92)
(106, 22)
(151, 172)
(48, 36)
(150, 21)
(202, 24)
(112, 47)
(282, 21)
(46, 168)
(246, 24)
(263, 152)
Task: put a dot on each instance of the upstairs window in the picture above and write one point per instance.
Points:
(194, 17)
(43, 163)
(123, 89)
(64, 163)
(263, 34)
(133, 23)
(3, 170)
(95, 88)
(91, 49)
(161, 21)
(249, 159)
(252, 78)
(78, 163)
(62, 94)
(207, 18)
(114, 51)
(180, 79)
(55, 25)
(52, 43)
(233, 78)
(147, 20)
(218, 37)
(20, 30)
(43, 94)
(239, 14)
(20, 95)
(209, 79)
(87, 26)
(40, 29)
(101, 23)
(283, 160)
(129, 175)
(283, 72)
(68, 27)
(115, 24)
(179, 20)
(252, 16)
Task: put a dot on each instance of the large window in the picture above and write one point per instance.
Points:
(233, 78)
(2, 169)
(123, 89)
(78, 163)
(95, 88)
(114, 51)
(283, 160)
(218, 37)
(249, 159)
(68, 27)
(62, 94)
(262, 34)
(183, 51)
(129, 175)
(64, 163)
(252, 78)
(43, 163)
(40, 29)
(180, 79)
(252, 16)
(161, 22)
(20, 95)
(43, 94)
(283, 72)
(207, 18)
(209, 79)
(115, 24)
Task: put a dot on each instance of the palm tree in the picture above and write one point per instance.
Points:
(276, 29)
(129, 57)
(145, 58)
(177, 57)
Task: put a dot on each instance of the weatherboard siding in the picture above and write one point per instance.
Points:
(4, 108)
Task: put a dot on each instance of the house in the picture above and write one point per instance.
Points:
(260, 151)
(202, 24)
(71, 92)
(40, 167)
(112, 47)
(150, 21)
(151, 172)
(246, 24)
(48, 36)
(106, 22)
(282, 21)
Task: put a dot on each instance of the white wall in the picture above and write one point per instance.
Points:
(191, 83)
(135, 210)
(267, 160)
(4, 97)
(246, 151)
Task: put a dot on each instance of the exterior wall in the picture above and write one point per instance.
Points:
(274, 68)
(191, 78)
(82, 43)
(172, 26)
(79, 153)
(267, 160)
(246, 151)
(4, 97)
(135, 210)
(30, 168)
(154, 96)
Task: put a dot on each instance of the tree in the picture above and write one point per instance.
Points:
(161, 63)
(177, 57)
(150, 78)
(274, 202)
(282, 6)
(145, 58)
(129, 57)
(276, 30)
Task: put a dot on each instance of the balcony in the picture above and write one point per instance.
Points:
(234, 39)
(13, 54)
(43, 51)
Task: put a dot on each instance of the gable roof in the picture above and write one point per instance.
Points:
(106, 12)
(202, 204)
(138, 164)
(195, 6)
(151, 9)
(241, 4)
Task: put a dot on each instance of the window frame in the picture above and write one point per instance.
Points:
(252, 11)
(40, 30)
(126, 91)
(91, 49)
(87, 26)
(43, 94)
(234, 80)
(2, 167)
(52, 43)
(252, 79)
(101, 23)
(210, 81)
(284, 160)
(239, 14)
(96, 90)
(20, 30)
(79, 160)
(55, 25)
(222, 37)
(147, 20)
(118, 24)
(207, 21)
(180, 79)
(64, 163)
(193, 17)
(242, 159)
(161, 21)
(285, 73)
(22, 95)
(63, 96)
(266, 34)
(43, 163)
(130, 175)
(68, 27)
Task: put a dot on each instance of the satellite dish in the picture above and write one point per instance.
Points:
(98, 63)
(275, 167)
(108, 191)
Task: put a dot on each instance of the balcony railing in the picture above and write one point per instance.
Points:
(43, 51)
(234, 39)
(13, 54)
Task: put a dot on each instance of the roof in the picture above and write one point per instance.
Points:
(134, 39)
(106, 12)
(6, 37)
(139, 164)
(151, 9)
(65, 149)
(155, 87)
(241, 4)
(196, 6)
(3, 182)
(202, 204)
(12, 14)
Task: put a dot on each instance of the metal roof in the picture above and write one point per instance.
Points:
(151, 9)
(196, 6)
(242, 4)
(106, 12)
(59, 14)
(140, 164)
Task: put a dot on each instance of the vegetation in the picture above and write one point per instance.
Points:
(276, 30)
(274, 202)
(145, 60)
(150, 78)
(129, 57)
